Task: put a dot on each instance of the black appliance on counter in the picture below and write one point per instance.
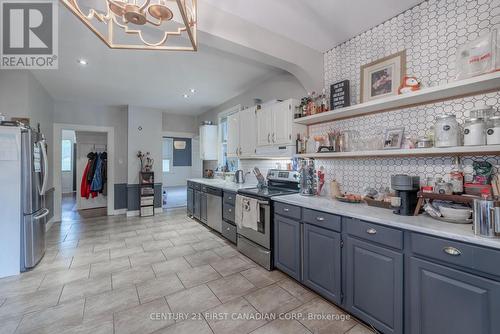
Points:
(258, 244)
(406, 188)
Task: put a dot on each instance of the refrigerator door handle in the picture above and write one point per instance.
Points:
(43, 189)
(44, 213)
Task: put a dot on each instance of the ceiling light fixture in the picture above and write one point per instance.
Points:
(192, 90)
(186, 96)
(140, 24)
(82, 62)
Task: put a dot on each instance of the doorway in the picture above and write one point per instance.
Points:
(84, 172)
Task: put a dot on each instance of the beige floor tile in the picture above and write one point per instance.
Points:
(157, 245)
(144, 319)
(226, 251)
(54, 265)
(273, 299)
(22, 304)
(50, 319)
(86, 287)
(198, 275)
(178, 251)
(21, 284)
(141, 259)
(360, 329)
(189, 231)
(61, 277)
(187, 327)
(162, 286)
(231, 265)
(121, 252)
(282, 327)
(115, 244)
(111, 301)
(113, 266)
(165, 235)
(9, 325)
(82, 260)
(173, 266)
(330, 319)
(132, 276)
(231, 287)
(238, 317)
(184, 239)
(123, 235)
(201, 258)
(298, 291)
(261, 277)
(100, 325)
(194, 300)
(206, 245)
(138, 240)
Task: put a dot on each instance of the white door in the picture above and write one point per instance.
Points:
(282, 123)
(264, 126)
(233, 134)
(248, 136)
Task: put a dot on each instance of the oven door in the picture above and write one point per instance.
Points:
(262, 236)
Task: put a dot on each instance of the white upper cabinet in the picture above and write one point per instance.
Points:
(275, 124)
(264, 126)
(248, 129)
(233, 135)
(208, 142)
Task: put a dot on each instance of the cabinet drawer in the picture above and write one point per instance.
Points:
(287, 210)
(228, 212)
(468, 256)
(377, 233)
(229, 198)
(322, 219)
(147, 211)
(229, 231)
(148, 200)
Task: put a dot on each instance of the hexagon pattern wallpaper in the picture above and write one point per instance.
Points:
(430, 33)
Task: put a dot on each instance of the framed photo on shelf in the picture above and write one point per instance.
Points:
(393, 138)
(382, 77)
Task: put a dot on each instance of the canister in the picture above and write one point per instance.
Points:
(424, 142)
(446, 131)
(474, 132)
(493, 132)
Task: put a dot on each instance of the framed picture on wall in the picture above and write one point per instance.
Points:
(393, 138)
(382, 77)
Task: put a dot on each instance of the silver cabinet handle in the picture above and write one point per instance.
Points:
(452, 251)
(268, 137)
(274, 137)
(371, 231)
(286, 209)
(320, 219)
(230, 210)
(228, 229)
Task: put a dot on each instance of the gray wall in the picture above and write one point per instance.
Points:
(94, 115)
(281, 86)
(179, 123)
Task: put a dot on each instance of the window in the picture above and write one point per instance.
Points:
(67, 156)
(168, 154)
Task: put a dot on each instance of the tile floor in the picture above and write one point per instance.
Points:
(165, 274)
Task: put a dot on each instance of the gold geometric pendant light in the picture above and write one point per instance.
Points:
(140, 24)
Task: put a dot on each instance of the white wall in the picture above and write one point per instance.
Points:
(281, 87)
(144, 134)
(67, 176)
(179, 123)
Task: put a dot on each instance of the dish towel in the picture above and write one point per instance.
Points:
(247, 212)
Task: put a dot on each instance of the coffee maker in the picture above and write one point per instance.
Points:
(406, 188)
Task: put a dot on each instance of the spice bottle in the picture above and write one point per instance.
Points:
(457, 177)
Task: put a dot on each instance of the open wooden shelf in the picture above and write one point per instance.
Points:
(478, 85)
(434, 151)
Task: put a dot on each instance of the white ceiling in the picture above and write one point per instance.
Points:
(145, 78)
(319, 24)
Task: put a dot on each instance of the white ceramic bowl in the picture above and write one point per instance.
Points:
(455, 213)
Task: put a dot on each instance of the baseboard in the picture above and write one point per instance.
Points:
(119, 212)
(158, 210)
(133, 213)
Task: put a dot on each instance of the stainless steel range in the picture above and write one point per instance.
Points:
(255, 239)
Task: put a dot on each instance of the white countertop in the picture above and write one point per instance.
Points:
(421, 223)
(225, 185)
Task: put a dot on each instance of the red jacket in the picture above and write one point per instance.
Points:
(85, 185)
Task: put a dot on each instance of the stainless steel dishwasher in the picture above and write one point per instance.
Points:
(214, 208)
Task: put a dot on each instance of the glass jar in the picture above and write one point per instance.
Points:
(446, 131)
(485, 112)
(493, 131)
(474, 132)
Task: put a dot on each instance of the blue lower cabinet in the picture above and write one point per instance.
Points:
(190, 201)
(287, 246)
(322, 262)
(197, 204)
(445, 300)
(374, 285)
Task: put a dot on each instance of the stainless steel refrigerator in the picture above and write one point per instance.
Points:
(34, 173)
